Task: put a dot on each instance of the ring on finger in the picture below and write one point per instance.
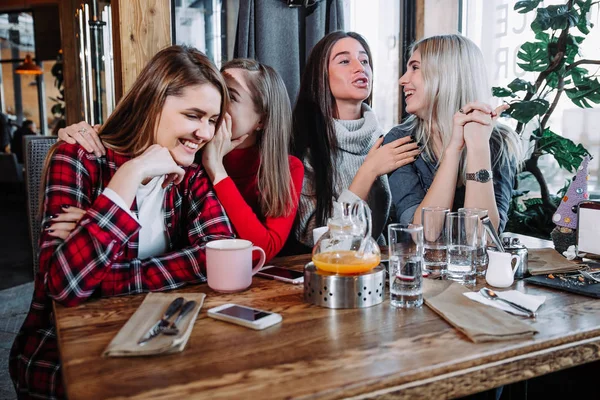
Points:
(461, 111)
(82, 131)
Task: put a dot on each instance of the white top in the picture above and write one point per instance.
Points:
(150, 203)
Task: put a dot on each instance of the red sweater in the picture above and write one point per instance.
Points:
(239, 196)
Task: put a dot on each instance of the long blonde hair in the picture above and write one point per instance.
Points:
(454, 74)
(271, 102)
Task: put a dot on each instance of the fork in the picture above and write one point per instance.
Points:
(589, 276)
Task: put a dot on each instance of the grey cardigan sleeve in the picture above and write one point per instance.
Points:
(405, 184)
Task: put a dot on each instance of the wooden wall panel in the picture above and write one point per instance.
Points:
(140, 29)
(72, 77)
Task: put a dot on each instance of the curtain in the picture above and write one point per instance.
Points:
(282, 37)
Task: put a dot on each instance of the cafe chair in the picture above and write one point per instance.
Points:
(36, 148)
(10, 169)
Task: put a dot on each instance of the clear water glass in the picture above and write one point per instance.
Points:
(481, 256)
(406, 265)
(434, 239)
(461, 235)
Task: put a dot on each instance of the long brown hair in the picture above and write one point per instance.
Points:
(313, 116)
(131, 127)
(271, 102)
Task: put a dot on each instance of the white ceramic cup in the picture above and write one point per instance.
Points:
(318, 232)
(229, 264)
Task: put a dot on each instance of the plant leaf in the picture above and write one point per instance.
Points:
(534, 56)
(542, 21)
(502, 92)
(586, 91)
(565, 151)
(524, 111)
(519, 84)
(524, 6)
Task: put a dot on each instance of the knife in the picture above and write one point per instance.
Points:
(163, 322)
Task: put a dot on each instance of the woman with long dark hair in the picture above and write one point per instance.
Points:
(337, 135)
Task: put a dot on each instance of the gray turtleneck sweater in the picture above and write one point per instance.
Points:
(355, 139)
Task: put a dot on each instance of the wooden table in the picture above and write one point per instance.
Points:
(318, 352)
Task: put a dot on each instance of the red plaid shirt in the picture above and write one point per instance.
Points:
(99, 258)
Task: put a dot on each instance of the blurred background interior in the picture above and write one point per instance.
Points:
(63, 61)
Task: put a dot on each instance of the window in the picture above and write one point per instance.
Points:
(19, 93)
(379, 22)
(201, 24)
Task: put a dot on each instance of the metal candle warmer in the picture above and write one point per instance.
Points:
(344, 291)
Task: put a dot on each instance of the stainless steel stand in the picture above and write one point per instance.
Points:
(344, 291)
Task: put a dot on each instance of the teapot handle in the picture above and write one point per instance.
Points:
(361, 206)
(518, 258)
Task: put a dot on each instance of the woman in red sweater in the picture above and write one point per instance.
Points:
(256, 180)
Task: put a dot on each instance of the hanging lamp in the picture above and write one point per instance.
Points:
(28, 67)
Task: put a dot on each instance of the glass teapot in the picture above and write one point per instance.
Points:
(347, 247)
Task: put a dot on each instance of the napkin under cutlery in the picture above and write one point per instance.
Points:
(125, 343)
(549, 261)
(528, 301)
(478, 322)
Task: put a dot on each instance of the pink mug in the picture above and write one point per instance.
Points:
(229, 264)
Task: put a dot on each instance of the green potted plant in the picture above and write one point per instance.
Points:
(554, 56)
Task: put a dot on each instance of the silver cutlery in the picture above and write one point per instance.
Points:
(490, 294)
(163, 322)
(589, 276)
(185, 310)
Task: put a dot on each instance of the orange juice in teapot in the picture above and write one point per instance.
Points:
(347, 247)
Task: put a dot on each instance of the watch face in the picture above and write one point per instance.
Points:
(483, 175)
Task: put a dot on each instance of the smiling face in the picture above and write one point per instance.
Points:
(349, 71)
(414, 86)
(244, 118)
(188, 121)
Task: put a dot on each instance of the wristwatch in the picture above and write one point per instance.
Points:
(483, 175)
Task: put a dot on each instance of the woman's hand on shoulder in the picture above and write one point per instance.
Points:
(386, 158)
(62, 224)
(84, 135)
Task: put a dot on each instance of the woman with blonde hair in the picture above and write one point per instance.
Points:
(247, 161)
(469, 160)
(149, 211)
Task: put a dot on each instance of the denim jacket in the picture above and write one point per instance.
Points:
(410, 183)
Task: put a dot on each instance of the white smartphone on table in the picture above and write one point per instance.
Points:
(245, 316)
(282, 274)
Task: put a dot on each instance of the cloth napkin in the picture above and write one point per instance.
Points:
(549, 261)
(528, 301)
(478, 322)
(124, 344)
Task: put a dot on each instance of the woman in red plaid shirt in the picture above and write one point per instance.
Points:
(150, 210)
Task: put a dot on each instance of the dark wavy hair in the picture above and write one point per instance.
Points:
(313, 119)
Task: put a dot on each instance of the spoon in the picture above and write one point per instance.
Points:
(490, 294)
(492, 232)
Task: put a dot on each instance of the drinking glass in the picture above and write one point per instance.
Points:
(406, 265)
(434, 235)
(481, 256)
(461, 235)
